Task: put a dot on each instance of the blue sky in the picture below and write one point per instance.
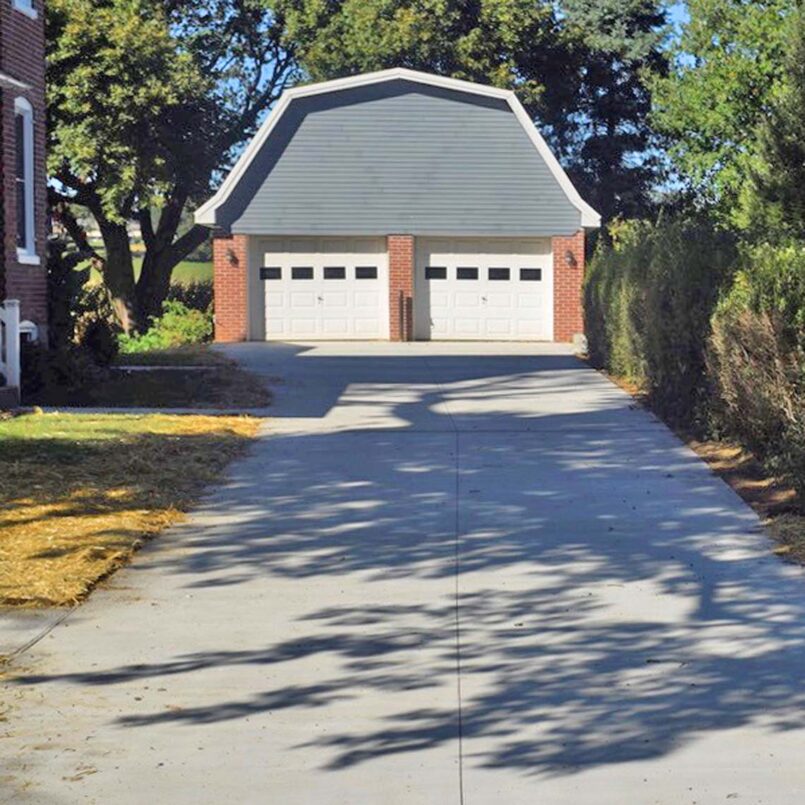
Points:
(678, 13)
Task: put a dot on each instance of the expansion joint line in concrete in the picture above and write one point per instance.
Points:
(456, 591)
(458, 621)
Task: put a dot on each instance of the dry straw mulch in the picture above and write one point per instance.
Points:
(80, 493)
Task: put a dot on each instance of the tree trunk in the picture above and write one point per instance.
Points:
(154, 282)
(163, 251)
(135, 302)
(118, 275)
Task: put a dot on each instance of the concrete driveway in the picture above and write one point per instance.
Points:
(446, 574)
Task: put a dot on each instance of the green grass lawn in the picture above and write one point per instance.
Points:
(184, 273)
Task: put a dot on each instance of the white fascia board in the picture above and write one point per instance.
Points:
(206, 212)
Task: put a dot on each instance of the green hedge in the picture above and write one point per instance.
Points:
(756, 358)
(197, 295)
(713, 333)
(649, 296)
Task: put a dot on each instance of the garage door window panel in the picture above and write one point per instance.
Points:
(302, 273)
(530, 274)
(436, 273)
(335, 273)
(271, 273)
(366, 272)
(499, 274)
(466, 273)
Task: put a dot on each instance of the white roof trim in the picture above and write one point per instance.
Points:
(205, 214)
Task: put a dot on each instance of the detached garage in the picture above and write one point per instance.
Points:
(398, 205)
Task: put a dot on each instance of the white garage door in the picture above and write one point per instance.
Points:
(325, 288)
(498, 289)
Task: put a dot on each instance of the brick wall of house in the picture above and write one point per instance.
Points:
(230, 256)
(568, 276)
(22, 57)
(401, 287)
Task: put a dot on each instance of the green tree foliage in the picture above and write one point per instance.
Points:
(778, 203)
(728, 64)
(146, 101)
(576, 65)
(604, 133)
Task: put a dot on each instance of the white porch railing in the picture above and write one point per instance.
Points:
(10, 342)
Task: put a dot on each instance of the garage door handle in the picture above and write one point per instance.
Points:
(320, 298)
(483, 299)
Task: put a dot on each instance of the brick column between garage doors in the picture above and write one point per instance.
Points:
(401, 287)
(230, 258)
(568, 277)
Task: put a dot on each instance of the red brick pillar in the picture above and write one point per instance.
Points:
(401, 287)
(230, 257)
(568, 276)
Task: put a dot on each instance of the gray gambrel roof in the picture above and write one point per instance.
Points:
(397, 151)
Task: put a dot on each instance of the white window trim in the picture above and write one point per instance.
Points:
(27, 254)
(26, 8)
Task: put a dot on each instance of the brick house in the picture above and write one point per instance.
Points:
(398, 205)
(23, 180)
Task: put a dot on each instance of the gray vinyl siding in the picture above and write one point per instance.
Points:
(399, 158)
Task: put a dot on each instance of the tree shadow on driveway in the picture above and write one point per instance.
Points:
(606, 598)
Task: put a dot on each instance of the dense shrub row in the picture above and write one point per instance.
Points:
(649, 296)
(756, 358)
(714, 333)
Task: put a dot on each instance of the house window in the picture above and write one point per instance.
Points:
(24, 180)
(26, 7)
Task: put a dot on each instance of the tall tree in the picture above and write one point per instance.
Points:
(576, 65)
(778, 201)
(147, 100)
(611, 148)
(728, 63)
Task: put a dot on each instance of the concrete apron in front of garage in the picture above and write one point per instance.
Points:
(447, 573)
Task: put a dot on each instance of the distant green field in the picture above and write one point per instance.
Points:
(184, 273)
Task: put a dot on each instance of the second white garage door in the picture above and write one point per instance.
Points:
(495, 289)
(325, 288)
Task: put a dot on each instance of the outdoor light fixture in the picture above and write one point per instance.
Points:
(232, 257)
(571, 260)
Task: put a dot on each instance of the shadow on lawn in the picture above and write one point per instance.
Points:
(629, 612)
